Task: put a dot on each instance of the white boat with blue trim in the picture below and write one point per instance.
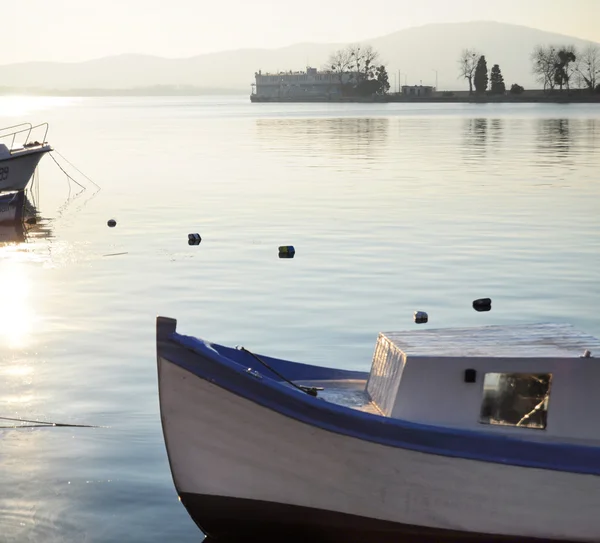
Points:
(473, 434)
(20, 154)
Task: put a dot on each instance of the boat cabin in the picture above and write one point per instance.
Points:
(516, 379)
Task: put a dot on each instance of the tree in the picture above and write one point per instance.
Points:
(543, 61)
(554, 66)
(588, 66)
(497, 81)
(358, 61)
(516, 89)
(358, 70)
(481, 75)
(564, 66)
(383, 80)
(340, 63)
(467, 63)
(364, 61)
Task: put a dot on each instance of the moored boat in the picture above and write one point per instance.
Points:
(18, 161)
(11, 206)
(471, 434)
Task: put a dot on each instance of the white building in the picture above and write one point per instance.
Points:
(311, 83)
(417, 90)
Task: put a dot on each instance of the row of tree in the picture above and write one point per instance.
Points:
(473, 67)
(553, 67)
(565, 66)
(359, 70)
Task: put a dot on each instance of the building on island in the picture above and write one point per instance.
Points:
(417, 90)
(311, 84)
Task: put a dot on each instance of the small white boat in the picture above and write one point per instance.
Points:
(18, 161)
(11, 206)
(473, 434)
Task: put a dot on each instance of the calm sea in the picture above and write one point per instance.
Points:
(392, 208)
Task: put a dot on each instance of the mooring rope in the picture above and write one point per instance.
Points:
(76, 168)
(311, 391)
(44, 424)
(65, 172)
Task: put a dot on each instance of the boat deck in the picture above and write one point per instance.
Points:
(347, 393)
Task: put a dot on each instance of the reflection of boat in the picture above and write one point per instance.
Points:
(272, 450)
(32, 226)
(11, 206)
(18, 161)
(12, 233)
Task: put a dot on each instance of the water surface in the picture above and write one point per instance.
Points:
(392, 208)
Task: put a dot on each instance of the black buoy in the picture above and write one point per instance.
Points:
(112, 223)
(287, 251)
(483, 304)
(194, 239)
(420, 317)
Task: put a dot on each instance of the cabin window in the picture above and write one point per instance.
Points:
(516, 399)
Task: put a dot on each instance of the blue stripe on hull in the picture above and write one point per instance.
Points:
(227, 367)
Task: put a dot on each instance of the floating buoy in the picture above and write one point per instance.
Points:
(194, 239)
(483, 304)
(287, 250)
(112, 223)
(420, 317)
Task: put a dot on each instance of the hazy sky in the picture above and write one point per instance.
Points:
(72, 30)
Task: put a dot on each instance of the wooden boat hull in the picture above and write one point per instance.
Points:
(11, 207)
(245, 469)
(16, 171)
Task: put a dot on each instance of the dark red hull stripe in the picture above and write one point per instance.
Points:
(229, 520)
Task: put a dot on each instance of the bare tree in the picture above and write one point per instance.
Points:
(341, 62)
(365, 60)
(467, 65)
(588, 66)
(554, 66)
(544, 60)
(360, 61)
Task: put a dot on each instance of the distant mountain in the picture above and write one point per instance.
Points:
(416, 52)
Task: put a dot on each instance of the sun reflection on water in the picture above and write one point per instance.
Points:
(16, 314)
(20, 106)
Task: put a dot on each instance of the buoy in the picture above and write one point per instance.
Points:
(483, 304)
(287, 250)
(420, 317)
(194, 239)
(112, 223)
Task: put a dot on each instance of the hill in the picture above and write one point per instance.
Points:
(417, 52)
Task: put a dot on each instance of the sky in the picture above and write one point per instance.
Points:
(77, 30)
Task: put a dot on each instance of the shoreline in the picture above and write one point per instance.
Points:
(516, 99)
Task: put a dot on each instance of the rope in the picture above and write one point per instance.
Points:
(311, 391)
(75, 167)
(64, 171)
(41, 423)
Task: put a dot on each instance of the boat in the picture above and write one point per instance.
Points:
(18, 161)
(12, 206)
(487, 433)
